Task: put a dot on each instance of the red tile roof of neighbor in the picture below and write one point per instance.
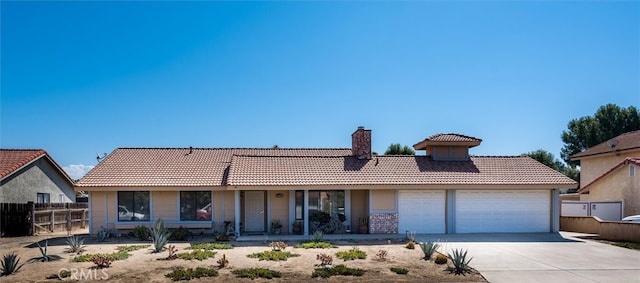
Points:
(629, 160)
(12, 160)
(391, 170)
(625, 142)
(218, 167)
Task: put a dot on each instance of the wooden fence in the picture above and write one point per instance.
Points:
(22, 219)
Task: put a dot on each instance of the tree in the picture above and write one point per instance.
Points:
(546, 158)
(552, 162)
(608, 122)
(397, 149)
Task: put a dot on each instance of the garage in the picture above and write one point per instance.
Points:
(421, 211)
(500, 211)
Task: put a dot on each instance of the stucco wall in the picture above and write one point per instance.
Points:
(280, 209)
(593, 167)
(38, 177)
(383, 200)
(614, 231)
(619, 186)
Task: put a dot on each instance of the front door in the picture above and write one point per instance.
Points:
(254, 211)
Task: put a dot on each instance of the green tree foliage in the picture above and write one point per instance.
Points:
(552, 162)
(397, 149)
(608, 122)
(546, 158)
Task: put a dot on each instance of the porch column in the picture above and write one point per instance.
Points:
(306, 214)
(555, 211)
(236, 207)
(347, 208)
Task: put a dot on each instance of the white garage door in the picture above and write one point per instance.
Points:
(488, 211)
(421, 211)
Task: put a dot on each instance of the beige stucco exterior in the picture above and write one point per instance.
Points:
(618, 185)
(594, 166)
(383, 200)
(603, 184)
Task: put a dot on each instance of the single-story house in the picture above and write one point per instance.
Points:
(32, 175)
(608, 172)
(336, 190)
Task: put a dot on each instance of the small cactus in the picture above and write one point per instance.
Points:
(102, 260)
(223, 261)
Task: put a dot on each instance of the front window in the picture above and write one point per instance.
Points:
(43, 198)
(326, 211)
(195, 206)
(133, 206)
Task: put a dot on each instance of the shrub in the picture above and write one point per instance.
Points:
(102, 260)
(159, 235)
(278, 246)
(317, 236)
(60, 275)
(172, 253)
(352, 254)
(180, 234)
(399, 270)
(190, 273)
(337, 270)
(441, 259)
(324, 259)
(628, 245)
(122, 253)
(428, 249)
(410, 245)
(381, 255)
(460, 262)
(197, 254)
(222, 238)
(223, 261)
(103, 234)
(76, 244)
(210, 246)
(272, 255)
(315, 245)
(254, 273)
(45, 256)
(141, 233)
(10, 264)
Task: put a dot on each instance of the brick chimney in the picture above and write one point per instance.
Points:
(361, 143)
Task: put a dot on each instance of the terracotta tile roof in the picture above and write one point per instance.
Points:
(126, 167)
(12, 160)
(448, 139)
(391, 170)
(626, 161)
(627, 141)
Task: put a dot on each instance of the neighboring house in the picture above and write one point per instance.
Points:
(609, 172)
(32, 175)
(334, 190)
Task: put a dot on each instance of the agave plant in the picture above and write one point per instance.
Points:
(428, 249)
(159, 235)
(76, 244)
(45, 253)
(460, 262)
(10, 264)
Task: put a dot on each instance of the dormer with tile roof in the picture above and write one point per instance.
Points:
(450, 147)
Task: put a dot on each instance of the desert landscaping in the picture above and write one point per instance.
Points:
(143, 264)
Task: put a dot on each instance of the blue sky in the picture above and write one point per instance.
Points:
(79, 78)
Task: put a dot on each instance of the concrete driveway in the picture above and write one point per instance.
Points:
(544, 257)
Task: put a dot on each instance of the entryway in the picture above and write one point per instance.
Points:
(254, 211)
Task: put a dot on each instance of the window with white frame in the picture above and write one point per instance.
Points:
(43, 198)
(632, 170)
